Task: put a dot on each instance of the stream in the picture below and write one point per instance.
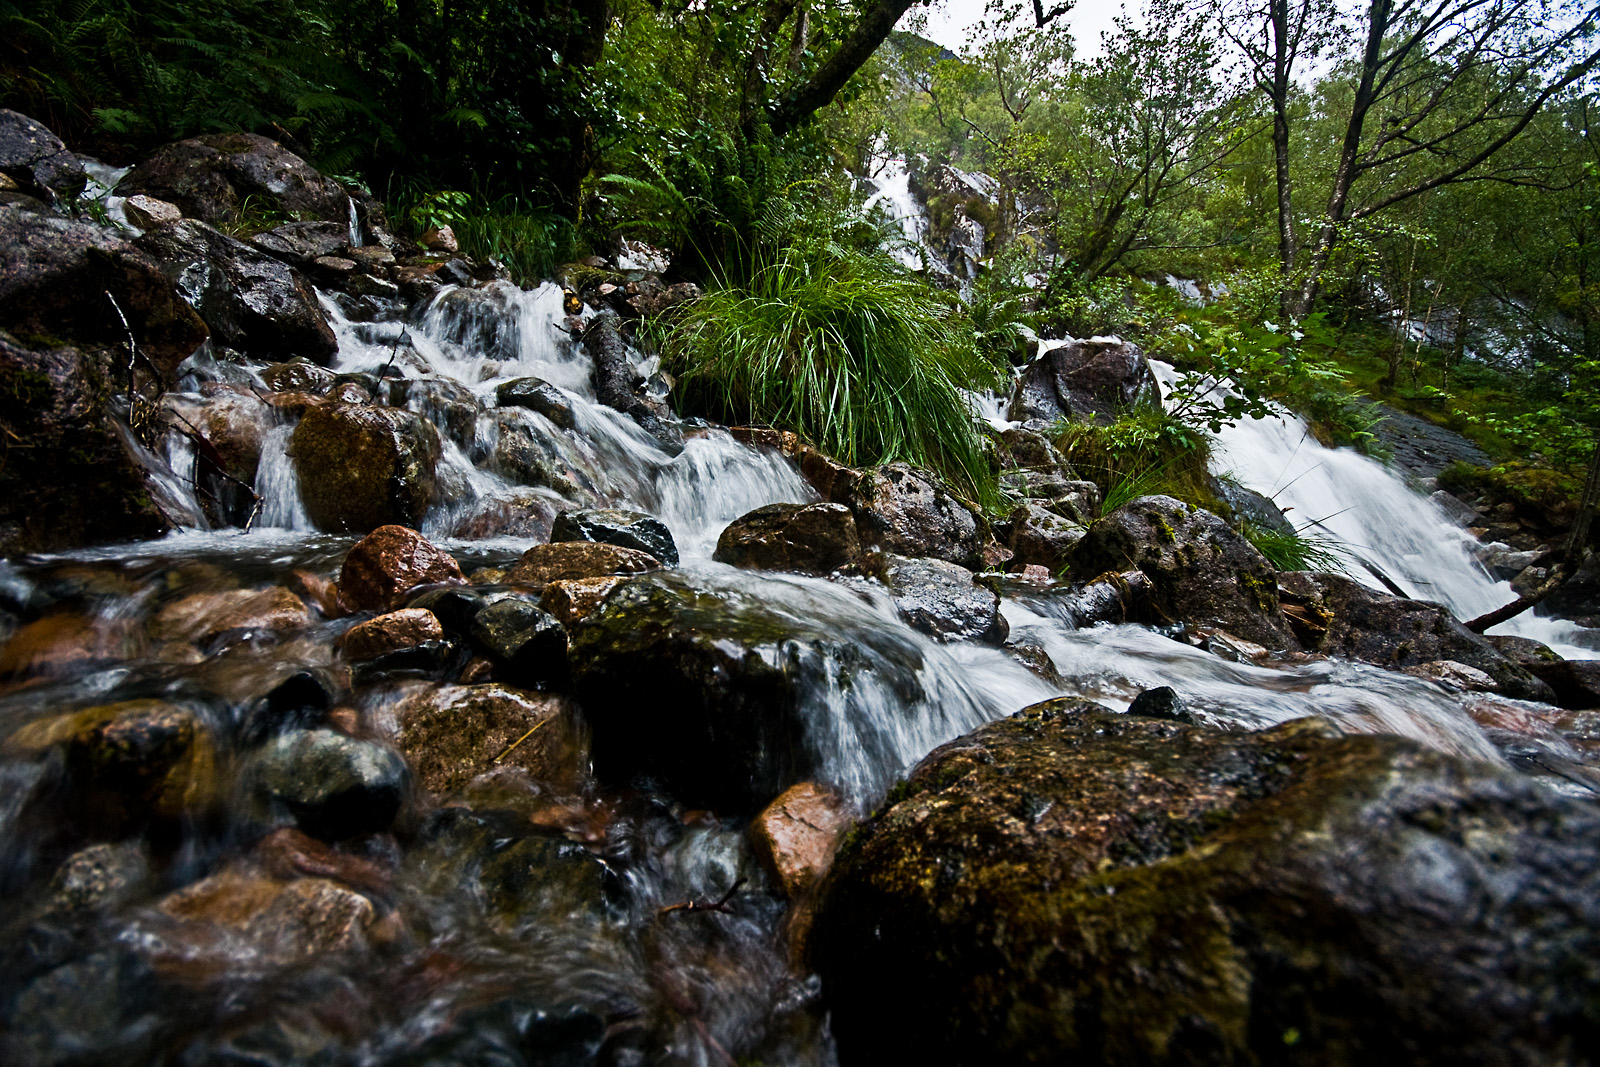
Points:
(528, 925)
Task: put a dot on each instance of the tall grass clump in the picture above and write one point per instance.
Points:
(846, 348)
(1296, 550)
(529, 240)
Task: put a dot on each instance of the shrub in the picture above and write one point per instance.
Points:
(529, 240)
(843, 346)
(1142, 452)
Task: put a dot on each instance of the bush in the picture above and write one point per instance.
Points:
(529, 240)
(1141, 453)
(846, 348)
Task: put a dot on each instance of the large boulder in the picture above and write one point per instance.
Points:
(362, 466)
(1341, 617)
(37, 161)
(711, 689)
(251, 301)
(807, 538)
(1071, 885)
(232, 179)
(1203, 572)
(901, 509)
(68, 479)
(1083, 380)
(55, 274)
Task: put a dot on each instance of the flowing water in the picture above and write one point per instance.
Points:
(531, 929)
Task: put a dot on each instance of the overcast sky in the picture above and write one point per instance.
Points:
(949, 20)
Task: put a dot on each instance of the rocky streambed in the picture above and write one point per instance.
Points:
(390, 676)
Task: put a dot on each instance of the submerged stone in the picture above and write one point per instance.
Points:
(613, 526)
(330, 785)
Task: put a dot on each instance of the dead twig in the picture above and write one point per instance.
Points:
(721, 904)
(507, 751)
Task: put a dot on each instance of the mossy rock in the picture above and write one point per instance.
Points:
(1072, 885)
(362, 467)
(1203, 572)
(709, 688)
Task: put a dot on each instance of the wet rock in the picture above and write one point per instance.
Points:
(1576, 683)
(202, 617)
(1247, 505)
(1032, 655)
(61, 645)
(1069, 884)
(148, 213)
(80, 485)
(275, 922)
(1083, 380)
(805, 538)
(301, 244)
(398, 630)
(127, 763)
(363, 467)
(1392, 632)
(299, 702)
(232, 424)
(222, 178)
(455, 607)
(567, 560)
(1042, 538)
(942, 600)
(575, 598)
(54, 276)
(35, 159)
(1458, 510)
(97, 877)
(529, 646)
(298, 376)
(1454, 676)
(330, 785)
(796, 835)
(250, 301)
(1128, 596)
(382, 567)
(1030, 446)
(1578, 597)
(527, 513)
(1203, 573)
(514, 879)
(1162, 702)
(612, 526)
(452, 734)
(901, 509)
(703, 689)
(449, 405)
(524, 453)
(648, 297)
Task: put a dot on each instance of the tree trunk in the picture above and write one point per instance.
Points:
(799, 104)
(1282, 61)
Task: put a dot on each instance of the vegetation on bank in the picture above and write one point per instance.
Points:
(1376, 183)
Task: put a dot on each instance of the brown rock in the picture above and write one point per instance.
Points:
(57, 645)
(808, 538)
(571, 599)
(543, 564)
(320, 592)
(796, 836)
(288, 853)
(279, 922)
(452, 734)
(406, 628)
(129, 762)
(203, 616)
(440, 239)
(363, 466)
(389, 562)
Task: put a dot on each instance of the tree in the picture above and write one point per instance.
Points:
(1435, 90)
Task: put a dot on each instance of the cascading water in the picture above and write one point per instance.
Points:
(485, 931)
(1357, 502)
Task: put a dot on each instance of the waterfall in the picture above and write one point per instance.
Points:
(1358, 502)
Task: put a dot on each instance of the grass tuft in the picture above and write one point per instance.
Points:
(846, 348)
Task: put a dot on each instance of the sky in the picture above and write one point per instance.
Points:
(949, 20)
